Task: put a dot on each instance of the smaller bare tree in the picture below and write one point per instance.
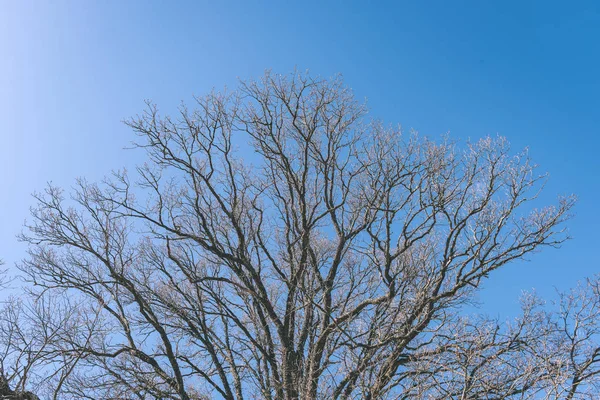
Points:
(577, 336)
(36, 356)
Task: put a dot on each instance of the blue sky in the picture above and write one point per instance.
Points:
(70, 72)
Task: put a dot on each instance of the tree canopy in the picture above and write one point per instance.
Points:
(280, 244)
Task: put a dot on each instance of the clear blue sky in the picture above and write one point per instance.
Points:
(70, 72)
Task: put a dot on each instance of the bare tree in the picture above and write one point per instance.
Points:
(577, 328)
(278, 244)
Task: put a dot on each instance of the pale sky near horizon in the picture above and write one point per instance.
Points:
(71, 71)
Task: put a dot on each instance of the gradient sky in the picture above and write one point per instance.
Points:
(70, 72)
